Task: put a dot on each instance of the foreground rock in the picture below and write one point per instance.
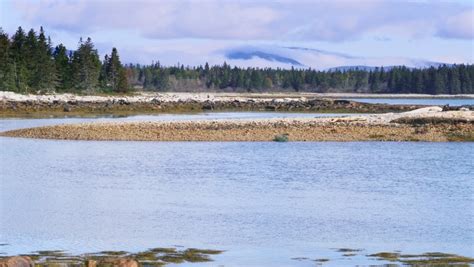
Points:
(152, 257)
(12, 104)
(428, 124)
(17, 261)
(172, 256)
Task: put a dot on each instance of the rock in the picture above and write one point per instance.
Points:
(67, 108)
(432, 109)
(91, 263)
(341, 102)
(270, 107)
(208, 105)
(17, 261)
(123, 102)
(118, 263)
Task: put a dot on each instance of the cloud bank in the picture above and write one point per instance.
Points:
(299, 20)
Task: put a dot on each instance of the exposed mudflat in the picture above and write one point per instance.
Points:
(426, 124)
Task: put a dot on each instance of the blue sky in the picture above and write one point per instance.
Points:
(195, 31)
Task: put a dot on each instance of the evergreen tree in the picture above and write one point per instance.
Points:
(19, 57)
(454, 82)
(103, 79)
(438, 83)
(44, 74)
(116, 76)
(122, 84)
(86, 67)
(7, 79)
(63, 68)
(30, 54)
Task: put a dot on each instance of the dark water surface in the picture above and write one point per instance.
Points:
(264, 203)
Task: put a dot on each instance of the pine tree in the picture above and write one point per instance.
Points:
(122, 84)
(454, 82)
(30, 54)
(45, 72)
(18, 53)
(417, 82)
(113, 71)
(86, 67)
(438, 82)
(7, 79)
(148, 78)
(466, 81)
(63, 67)
(103, 79)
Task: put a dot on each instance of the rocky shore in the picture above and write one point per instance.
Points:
(171, 256)
(17, 105)
(426, 124)
(152, 257)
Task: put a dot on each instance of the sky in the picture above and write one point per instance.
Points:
(193, 32)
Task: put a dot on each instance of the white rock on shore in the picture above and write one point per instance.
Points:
(173, 97)
(428, 112)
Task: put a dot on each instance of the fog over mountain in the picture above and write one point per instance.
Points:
(287, 57)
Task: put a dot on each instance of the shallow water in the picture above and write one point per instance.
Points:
(418, 101)
(17, 123)
(264, 203)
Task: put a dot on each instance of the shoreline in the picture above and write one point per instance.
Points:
(17, 105)
(8, 95)
(162, 256)
(426, 124)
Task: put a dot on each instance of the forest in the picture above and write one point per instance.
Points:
(29, 63)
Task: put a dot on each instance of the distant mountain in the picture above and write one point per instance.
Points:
(246, 55)
(266, 55)
(302, 57)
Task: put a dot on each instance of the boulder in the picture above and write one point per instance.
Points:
(208, 105)
(118, 263)
(67, 108)
(17, 261)
(123, 102)
(341, 102)
(270, 107)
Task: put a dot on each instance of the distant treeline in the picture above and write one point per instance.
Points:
(454, 79)
(29, 63)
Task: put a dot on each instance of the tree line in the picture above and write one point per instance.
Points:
(29, 63)
(453, 79)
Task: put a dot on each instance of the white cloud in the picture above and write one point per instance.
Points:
(459, 26)
(255, 20)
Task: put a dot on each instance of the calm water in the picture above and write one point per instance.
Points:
(10, 124)
(264, 203)
(418, 101)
